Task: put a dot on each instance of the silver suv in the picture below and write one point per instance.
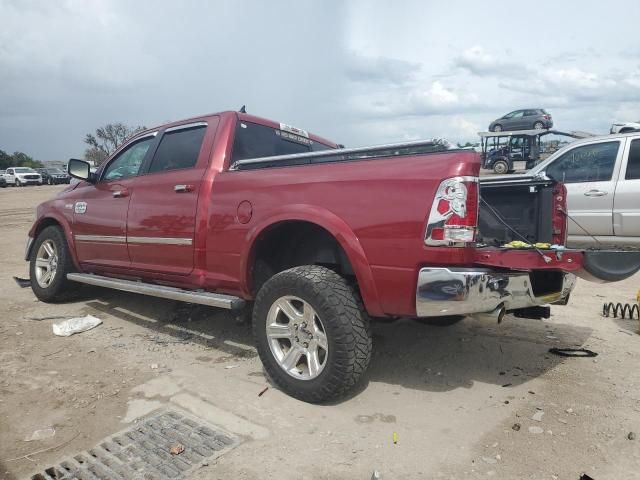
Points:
(527, 119)
(602, 176)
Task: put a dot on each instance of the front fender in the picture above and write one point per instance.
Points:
(337, 227)
(53, 218)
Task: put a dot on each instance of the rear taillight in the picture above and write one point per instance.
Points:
(454, 213)
(559, 222)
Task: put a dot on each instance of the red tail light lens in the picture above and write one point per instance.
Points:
(559, 222)
(454, 214)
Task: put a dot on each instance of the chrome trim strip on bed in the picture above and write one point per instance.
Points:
(100, 238)
(330, 152)
(161, 240)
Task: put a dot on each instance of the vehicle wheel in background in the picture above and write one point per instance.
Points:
(538, 126)
(501, 167)
(49, 263)
(312, 333)
(497, 128)
(18, 183)
(49, 181)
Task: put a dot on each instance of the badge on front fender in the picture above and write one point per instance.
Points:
(80, 207)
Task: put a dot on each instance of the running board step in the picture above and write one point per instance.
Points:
(190, 296)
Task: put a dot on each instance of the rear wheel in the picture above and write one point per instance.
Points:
(49, 264)
(538, 126)
(497, 128)
(501, 167)
(312, 334)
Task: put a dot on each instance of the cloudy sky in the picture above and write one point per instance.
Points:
(358, 72)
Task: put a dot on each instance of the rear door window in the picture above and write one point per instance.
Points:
(256, 141)
(587, 163)
(178, 149)
(633, 162)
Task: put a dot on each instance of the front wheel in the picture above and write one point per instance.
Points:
(18, 183)
(49, 264)
(501, 167)
(312, 334)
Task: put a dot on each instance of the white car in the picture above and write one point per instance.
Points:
(602, 176)
(21, 176)
(625, 127)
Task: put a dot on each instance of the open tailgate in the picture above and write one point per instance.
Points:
(594, 265)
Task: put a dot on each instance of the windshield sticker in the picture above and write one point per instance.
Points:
(294, 138)
(294, 130)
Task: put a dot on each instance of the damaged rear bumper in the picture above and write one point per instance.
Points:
(467, 291)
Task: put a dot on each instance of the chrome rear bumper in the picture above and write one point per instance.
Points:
(465, 291)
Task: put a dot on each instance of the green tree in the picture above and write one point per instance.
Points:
(18, 159)
(107, 140)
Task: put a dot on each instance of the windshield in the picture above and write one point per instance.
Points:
(24, 170)
(54, 170)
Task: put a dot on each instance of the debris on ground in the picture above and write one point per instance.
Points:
(176, 449)
(584, 476)
(516, 427)
(631, 436)
(154, 366)
(376, 475)
(22, 282)
(41, 434)
(536, 430)
(573, 352)
(228, 367)
(538, 416)
(48, 317)
(395, 438)
(75, 325)
(263, 391)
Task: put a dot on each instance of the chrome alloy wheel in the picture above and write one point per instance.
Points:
(46, 263)
(297, 338)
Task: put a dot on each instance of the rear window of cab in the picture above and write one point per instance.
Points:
(253, 140)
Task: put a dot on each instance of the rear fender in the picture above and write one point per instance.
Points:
(340, 231)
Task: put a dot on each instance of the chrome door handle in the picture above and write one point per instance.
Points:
(182, 188)
(119, 193)
(595, 193)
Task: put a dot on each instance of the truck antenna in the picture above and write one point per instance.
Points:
(243, 109)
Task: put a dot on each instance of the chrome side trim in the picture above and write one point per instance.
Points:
(465, 291)
(100, 238)
(329, 153)
(161, 240)
(186, 125)
(117, 239)
(202, 298)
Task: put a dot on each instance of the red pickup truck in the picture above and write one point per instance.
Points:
(239, 212)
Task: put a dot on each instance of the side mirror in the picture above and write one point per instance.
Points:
(80, 169)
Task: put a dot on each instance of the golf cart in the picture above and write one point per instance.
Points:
(506, 152)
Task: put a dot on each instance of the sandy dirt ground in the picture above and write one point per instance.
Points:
(451, 394)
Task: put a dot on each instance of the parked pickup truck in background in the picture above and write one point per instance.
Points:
(602, 176)
(235, 211)
(22, 176)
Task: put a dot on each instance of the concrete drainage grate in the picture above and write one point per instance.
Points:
(143, 451)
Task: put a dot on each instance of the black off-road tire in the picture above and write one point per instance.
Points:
(346, 326)
(60, 289)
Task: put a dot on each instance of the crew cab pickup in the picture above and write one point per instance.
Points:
(239, 212)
